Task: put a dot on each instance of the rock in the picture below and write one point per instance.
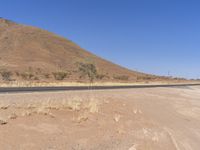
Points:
(133, 147)
(3, 121)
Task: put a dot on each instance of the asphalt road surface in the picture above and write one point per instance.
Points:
(73, 88)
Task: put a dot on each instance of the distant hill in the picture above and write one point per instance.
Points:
(30, 53)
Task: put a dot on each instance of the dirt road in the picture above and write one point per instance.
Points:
(129, 119)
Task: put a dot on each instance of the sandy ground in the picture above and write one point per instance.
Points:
(133, 119)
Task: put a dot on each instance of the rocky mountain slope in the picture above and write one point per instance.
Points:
(30, 53)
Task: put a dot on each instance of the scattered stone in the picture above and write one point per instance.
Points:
(82, 118)
(155, 138)
(117, 117)
(140, 111)
(4, 107)
(137, 111)
(3, 121)
(121, 131)
(133, 147)
(145, 131)
(51, 115)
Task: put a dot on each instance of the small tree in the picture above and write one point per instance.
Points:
(88, 70)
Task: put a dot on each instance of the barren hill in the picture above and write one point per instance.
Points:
(30, 53)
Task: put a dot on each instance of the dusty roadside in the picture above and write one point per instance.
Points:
(133, 119)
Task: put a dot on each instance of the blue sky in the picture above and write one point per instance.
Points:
(152, 36)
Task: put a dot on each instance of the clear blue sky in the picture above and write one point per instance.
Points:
(152, 36)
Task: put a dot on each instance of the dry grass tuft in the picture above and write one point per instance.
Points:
(82, 107)
(92, 105)
(12, 116)
(26, 113)
(42, 111)
(31, 106)
(73, 104)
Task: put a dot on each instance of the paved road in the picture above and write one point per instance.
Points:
(73, 88)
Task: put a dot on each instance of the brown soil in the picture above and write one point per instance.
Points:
(134, 119)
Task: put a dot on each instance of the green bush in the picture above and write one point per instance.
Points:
(89, 70)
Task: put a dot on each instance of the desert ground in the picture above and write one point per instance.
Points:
(128, 119)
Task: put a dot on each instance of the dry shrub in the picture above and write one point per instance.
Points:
(121, 77)
(6, 75)
(60, 75)
(27, 75)
(47, 75)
